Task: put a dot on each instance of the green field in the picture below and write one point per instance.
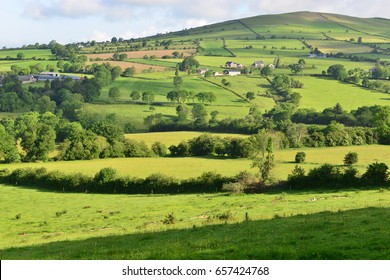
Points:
(321, 93)
(29, 53)
(327, 225)
(192, 167)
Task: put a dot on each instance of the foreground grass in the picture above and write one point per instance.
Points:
(323, 225)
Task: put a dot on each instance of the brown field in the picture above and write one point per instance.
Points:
(141, 54)
(138, 67)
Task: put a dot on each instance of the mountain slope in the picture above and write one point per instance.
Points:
(308, 25)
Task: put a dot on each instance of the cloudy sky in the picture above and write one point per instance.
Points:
(31, 21)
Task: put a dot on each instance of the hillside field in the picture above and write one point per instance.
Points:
(337, 225)
(183, 168)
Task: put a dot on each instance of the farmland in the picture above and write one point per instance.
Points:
(184, 168)
(131, 227)
(42, 224)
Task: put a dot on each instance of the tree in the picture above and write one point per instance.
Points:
(114, 93)
(159, 149)
(129, 72)
(116, 71)
(114, 40)
(264, 164)
(338, 72)
(351, 158)
(20, 56)
(135, 95)
(296, 68)
(122, 57)
(376, 173)
(147, 96)
(300, 157)
(250, 95)
(189, 63)
(177, 82)
(266, 71)
(182, 112)
(199, 114)
(8, 150)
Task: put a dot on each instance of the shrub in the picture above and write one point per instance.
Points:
(351, 158)
(300, 157)
(169, 219)
(105, 175)
(376, 173)
(234, 188)
(18, 216)
(159, 149)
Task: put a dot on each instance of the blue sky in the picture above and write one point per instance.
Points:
(28, 22)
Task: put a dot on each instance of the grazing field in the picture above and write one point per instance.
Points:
(5, 65)
(306, 225)
(175, 137)
(183, 168)
(139, 68)
(141, 54)
(329, 46)
(29, 53)
(321, 93)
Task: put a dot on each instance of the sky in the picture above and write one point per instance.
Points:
(66, 21)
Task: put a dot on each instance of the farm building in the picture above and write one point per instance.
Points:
(44, 76)
(258, 64)
(231, 64)
(27, 79)
(202, 71)
(232, 72)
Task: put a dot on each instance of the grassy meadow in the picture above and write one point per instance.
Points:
(184, 168)
(208, 226)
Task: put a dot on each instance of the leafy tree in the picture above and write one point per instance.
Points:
(122, 57)
(114, 93)
(135, 95)
(148, 96)
(376, 173)
(265, 164)
(111, 131)
(351, 158)
(8, 150)
(116, 71)
(20, 56)
(179, 96)
(177, 82)
(338, 72)
(300, 157)
(159, 149)
(9, 102)
(105, 175)
(189, 63)
(182, 112)
(250, 95)
(266, 71)
(296, 68)
(199, 114)
(129, 72)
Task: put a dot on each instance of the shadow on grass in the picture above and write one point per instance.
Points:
(353, 234)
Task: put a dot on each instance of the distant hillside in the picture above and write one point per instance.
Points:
(308, 25)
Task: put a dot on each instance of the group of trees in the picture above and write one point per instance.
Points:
(181, 96)
(334, 177)
(61, 96)
(358, 76)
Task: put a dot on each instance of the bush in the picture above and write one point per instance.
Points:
(376, 174)
(169, 219)
(234, 188)
(159, 149)
(351, 158)
(300, 157)
(105, 175)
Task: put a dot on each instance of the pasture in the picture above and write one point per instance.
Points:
(304, 225)
(183, 168)
(321, 93)
(29, 53)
